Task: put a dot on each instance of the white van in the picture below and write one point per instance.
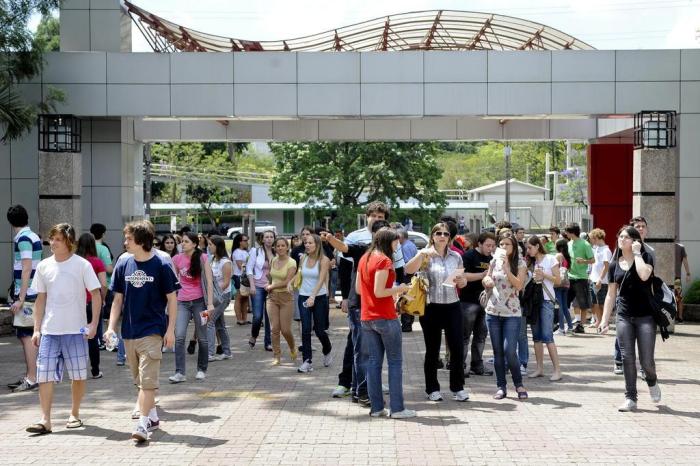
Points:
(258, 229)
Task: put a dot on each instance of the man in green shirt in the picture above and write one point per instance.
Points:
(551, 245)
(582, 256)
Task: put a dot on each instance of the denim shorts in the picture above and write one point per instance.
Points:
(598, 297)
(57, 351)
(542, 332)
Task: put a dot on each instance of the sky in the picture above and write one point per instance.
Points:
(604, 24)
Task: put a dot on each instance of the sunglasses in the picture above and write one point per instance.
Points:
(442, 233)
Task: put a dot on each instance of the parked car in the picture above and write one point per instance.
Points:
(259, 228)
(418, 238)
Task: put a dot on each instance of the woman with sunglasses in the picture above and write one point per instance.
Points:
(442, 312)
(239, 257)
(630, 270)
(506, 277)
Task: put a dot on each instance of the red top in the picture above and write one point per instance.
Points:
(373, 308)
(97, 266)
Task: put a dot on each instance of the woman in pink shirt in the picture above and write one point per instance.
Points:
(189, 265)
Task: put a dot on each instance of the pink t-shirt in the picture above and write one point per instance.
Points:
(191, 286)
(263, 281)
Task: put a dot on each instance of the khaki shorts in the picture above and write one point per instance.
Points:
(143, 356)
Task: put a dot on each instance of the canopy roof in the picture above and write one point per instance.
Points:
(419, 30)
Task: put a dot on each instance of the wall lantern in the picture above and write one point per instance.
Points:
(59, 133)
(655, 129)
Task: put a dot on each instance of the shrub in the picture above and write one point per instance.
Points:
(692, 296)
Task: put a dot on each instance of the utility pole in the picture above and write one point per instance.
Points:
(506, 153)
(147, 179)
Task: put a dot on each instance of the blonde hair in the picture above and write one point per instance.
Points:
(597, 233)
(67, 232)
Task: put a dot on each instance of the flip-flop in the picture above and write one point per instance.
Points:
(38, 428)
(522, 395)
(499, 395)
(74, 424)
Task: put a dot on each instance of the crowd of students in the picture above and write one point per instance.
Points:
(477, 285)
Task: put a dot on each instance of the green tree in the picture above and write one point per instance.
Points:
(21, 59)
(344, 174)
(48, 33)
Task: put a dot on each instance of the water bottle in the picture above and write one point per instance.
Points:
(84, 331)
(204, 316)
(112, 343)
(27, 311)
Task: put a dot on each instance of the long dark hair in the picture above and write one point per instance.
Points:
(166, 237)
(196, 261)
(534, 241)
(633, 233)
(237, 241)
(86, 246)
(219, 247)
(381, 242)
(562, 246)
(513, 258)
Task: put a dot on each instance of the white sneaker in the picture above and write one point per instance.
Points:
(461, 395)
(523, 370)
(655, 392)
(136, 413)
(405, 414)
(226, 356)
(560, 333)
(435, 396)
(200, 375)
(340, 392)
(383, 413)
(305, 367)
(385, 389)
(628, 405)
(177, 378)
(140, 434)
(216, 357)
(328, 359)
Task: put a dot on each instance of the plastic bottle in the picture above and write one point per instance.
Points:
(204, 316)
(27, 311)
(84, 331)
(112, 343)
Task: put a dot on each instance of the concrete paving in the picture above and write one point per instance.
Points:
(247, 412)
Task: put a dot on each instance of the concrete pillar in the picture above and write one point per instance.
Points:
(654, 197)
(60, 185)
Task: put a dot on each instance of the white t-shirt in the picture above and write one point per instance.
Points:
(548, 262)
(64, 284)
(217, 269)
(239, 255)
(602, 254)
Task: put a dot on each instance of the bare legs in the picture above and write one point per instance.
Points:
(539, 358)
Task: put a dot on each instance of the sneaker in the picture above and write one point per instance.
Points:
(579, 328)
(201, 375)
(642, 374)
(327, 359)
(560, 333)
(140, 434)
(617, 369)
(25, 386)
(628, 405)
(655, 393)
(440, 364)
(16, 384)
(226, 356)
(461, 395)
(405, 414)
(97, 376)
(305, 367)
(216, 357)
(570, 331)
(136, 413)
(177, 378)
(340, 392)
(191, 346)
(383, 413)
(434, 396)
(364, 401)
(121, 363)
(385, 389)
(523, 370)
(680, 321)
(268, 347)
(153, 425)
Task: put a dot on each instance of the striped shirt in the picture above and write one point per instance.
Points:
(27, 245)
(439, 268)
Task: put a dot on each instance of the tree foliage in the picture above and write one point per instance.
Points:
(347, 175)
(20, 60)
(48, 33)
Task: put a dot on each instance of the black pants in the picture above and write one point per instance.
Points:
(93, 343)
(345, 376)
(438, 317)
(474, 318)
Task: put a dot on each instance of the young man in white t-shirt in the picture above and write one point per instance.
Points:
(61, 330)
(598, 277)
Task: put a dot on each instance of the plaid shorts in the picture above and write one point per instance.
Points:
(55, 351)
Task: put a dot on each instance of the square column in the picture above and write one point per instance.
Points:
(60, 187)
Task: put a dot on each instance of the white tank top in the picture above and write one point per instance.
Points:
(310, 277)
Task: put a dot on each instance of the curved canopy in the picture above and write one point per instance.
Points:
(420, 30)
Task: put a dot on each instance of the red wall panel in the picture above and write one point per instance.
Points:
(610, 186)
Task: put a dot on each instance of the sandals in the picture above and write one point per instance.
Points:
(500, 394)
(74, 423)
(38, 428)
(251, 342)
(522, 395)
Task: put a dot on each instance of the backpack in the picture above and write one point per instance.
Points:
(663, 305)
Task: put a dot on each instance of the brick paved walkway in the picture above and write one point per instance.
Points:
(247, 412)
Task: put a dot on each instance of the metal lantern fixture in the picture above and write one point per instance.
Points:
(655, 129)
(59, 133)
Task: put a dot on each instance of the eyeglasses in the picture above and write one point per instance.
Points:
(442, 233)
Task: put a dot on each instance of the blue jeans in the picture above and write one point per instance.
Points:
(562, 295)
(259, 314)
(314, 318)
(523, 350)
(359, 366)
(542, 331)
(383, 336)
(504, 333)
(617, 355)
(216, 325)
(187, 310)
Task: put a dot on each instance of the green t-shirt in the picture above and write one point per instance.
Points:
(550, 247)
(579, 248)
(103, 254)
